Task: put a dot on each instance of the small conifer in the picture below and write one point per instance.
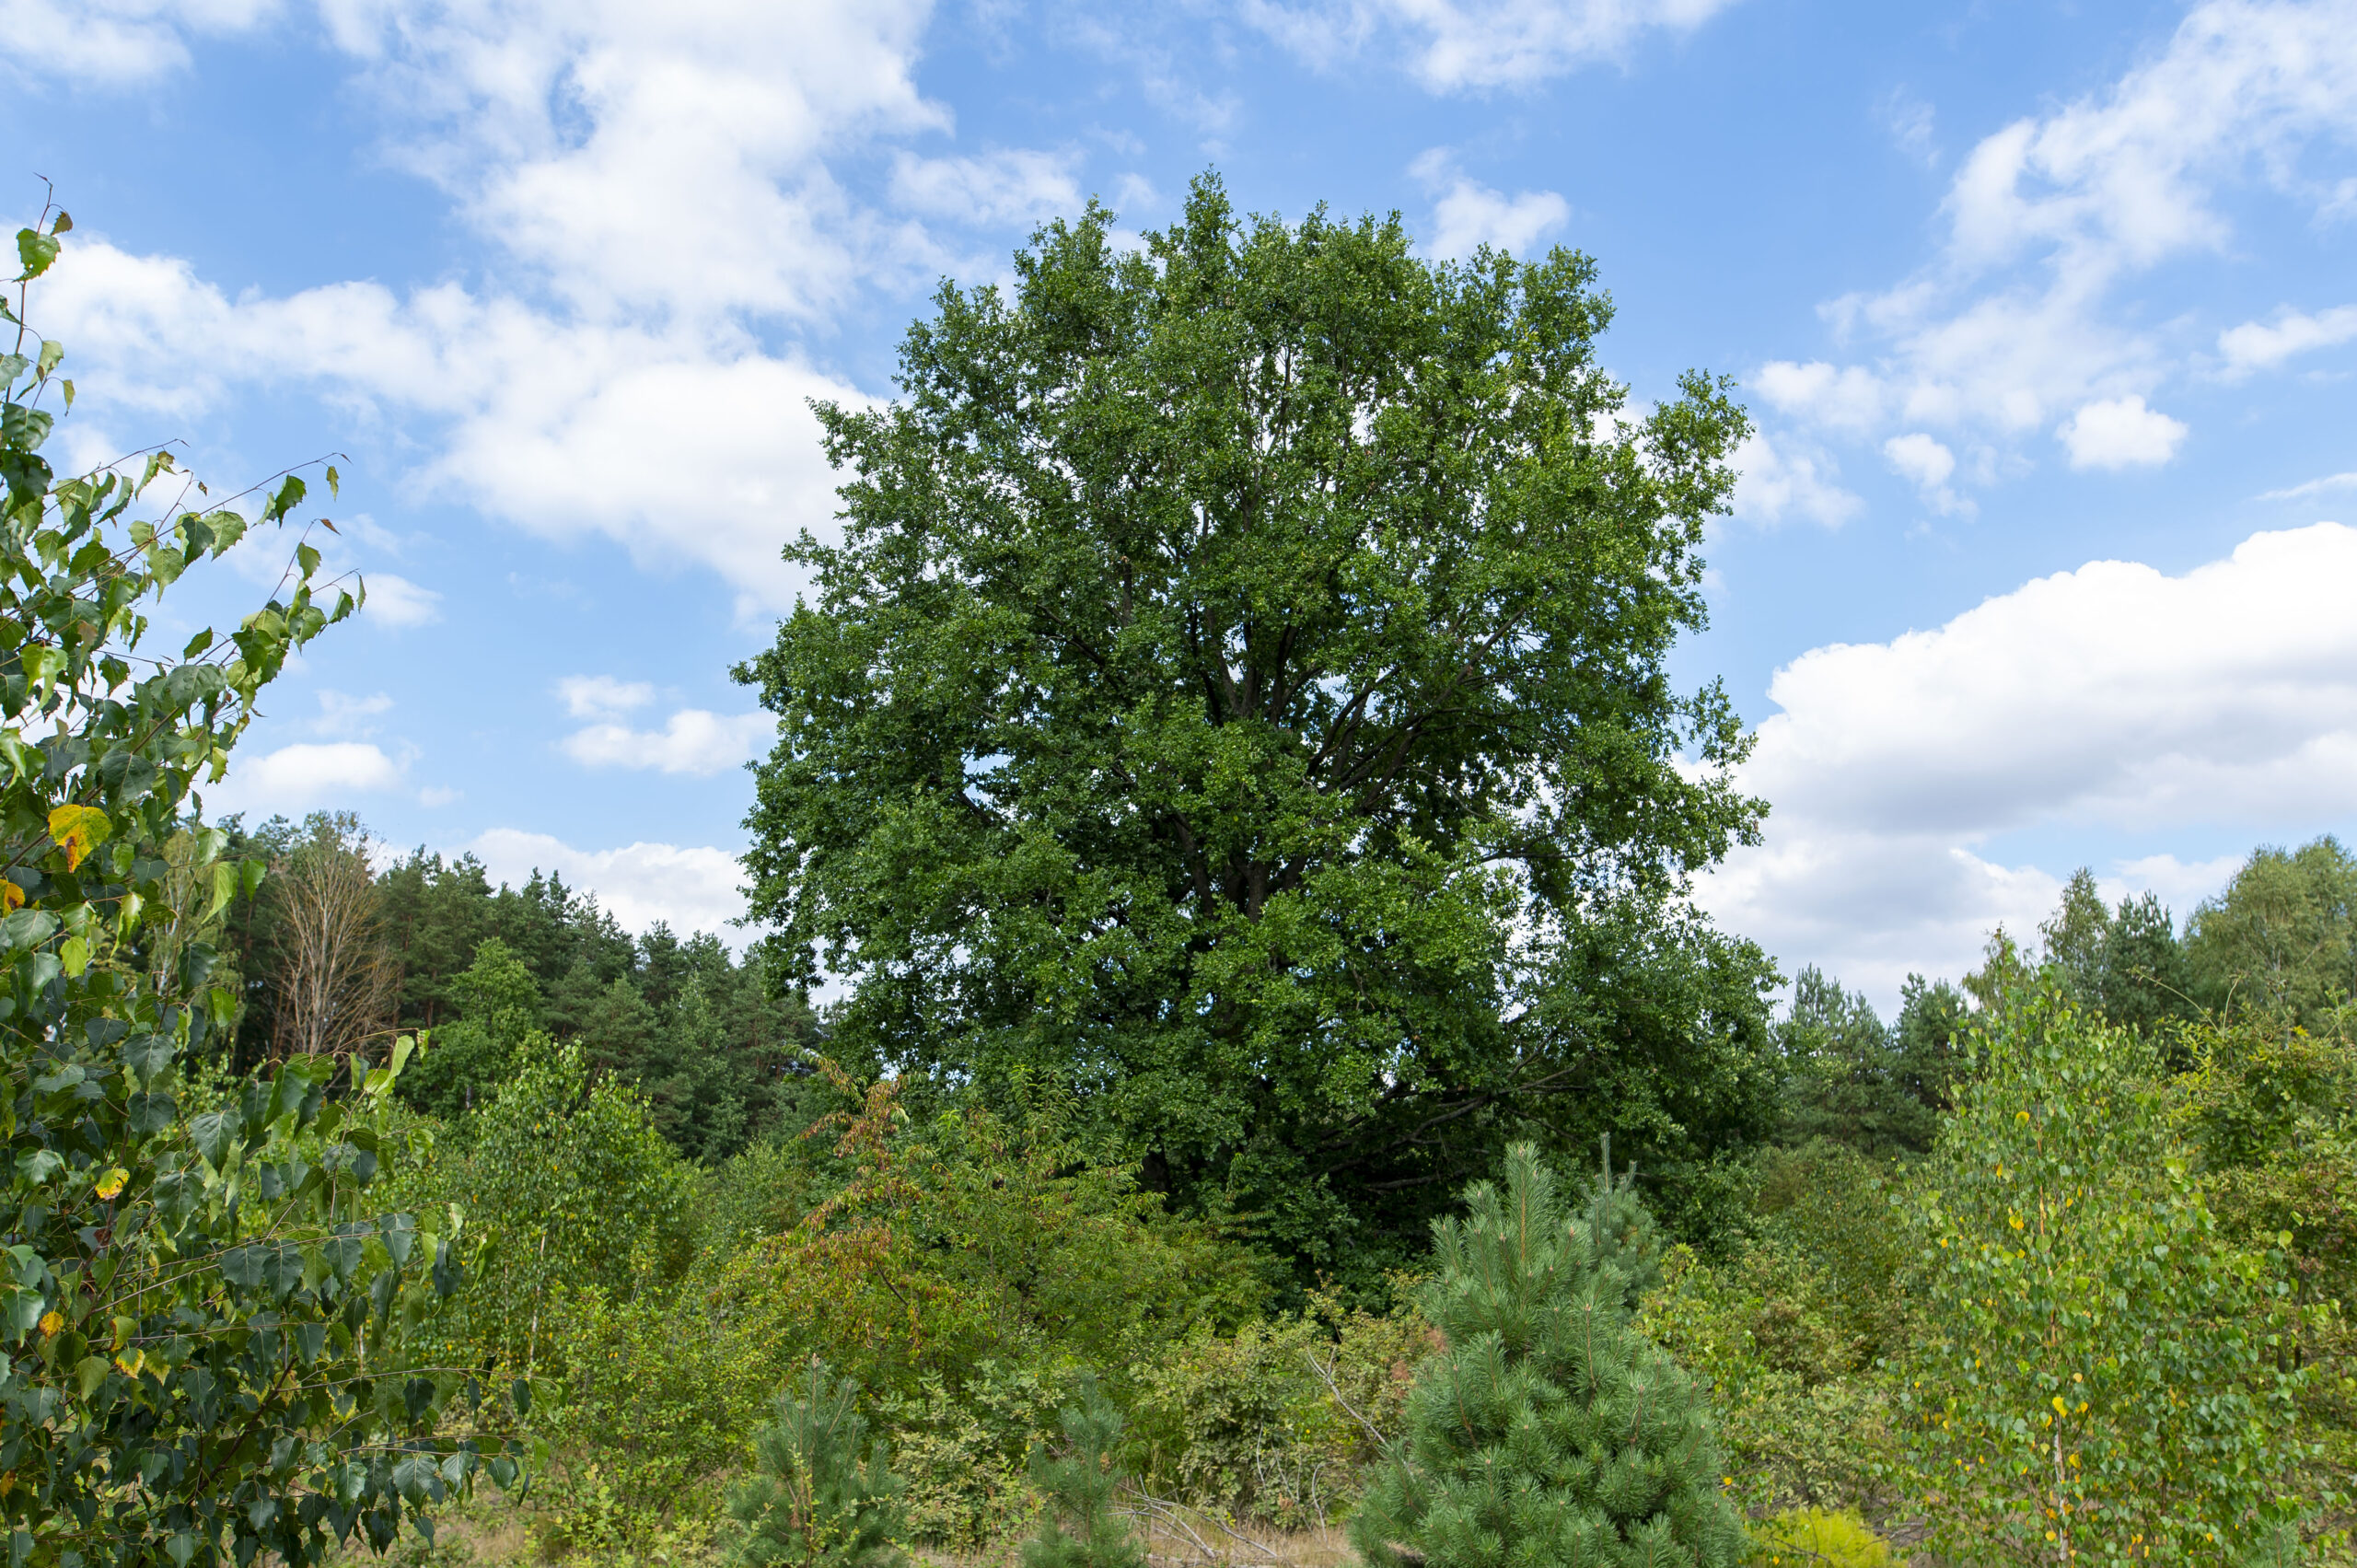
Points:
(1550, 1433)
(1080, 1528)
(814, 1502)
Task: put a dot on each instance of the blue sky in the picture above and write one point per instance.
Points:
(2045, 313)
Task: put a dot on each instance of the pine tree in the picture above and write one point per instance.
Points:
(1550, 1433)
(815, 1504)
(1080, 1528)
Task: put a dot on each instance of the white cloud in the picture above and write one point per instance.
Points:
(1848, 398)
(602, 696)
(1453, 45)
(1468, 214)
(2323, 486)
(2014, 321)
(2256, 345)
(692, 887)
(551, 425)
(1926, 464)
(693, 741)
(2115, 696)
(653, 158)
(396, 601)
(2181, 884)
(1794, 481)
(307, 776)
(1004, 188)
(115, 41)
(661, 180)
(2120, 432)
(342, 714)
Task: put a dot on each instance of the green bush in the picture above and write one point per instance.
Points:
(1799, 1422)
(1550, 1425)
(1279, 1421)
(2100, 1376)
(965, 1453)
(207, 1309)
(814, 1502)
(1818, 1538)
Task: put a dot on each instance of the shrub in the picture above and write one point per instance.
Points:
(1548, 1427)
(1818, 1537)
(814, 1502)
(1079, 1528)
(965, 1453)
(2099, 1378)
(207, 1308)
(1798, 1422)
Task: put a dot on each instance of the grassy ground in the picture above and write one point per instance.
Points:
(493, 1532)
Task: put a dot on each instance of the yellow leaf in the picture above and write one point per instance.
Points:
(11, 896)
(50, 1322)
(112, 1183)
(79, 830)
(131, 1362)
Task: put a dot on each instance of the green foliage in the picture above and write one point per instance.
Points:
(576, 1190)
(2126, 966)
(1647, 1026)
(960, 1272)
(1550, 1430)
(497, 1002)
(2282, 938)
(206, 1322)
(2273, 1109)
(1790, 1333)
(708, 1044)
(2099, 1373)
(1929, 1039)
(1800, 1420)
(1830, 1210)
(1079, 1480)
(1279, 1420)
(1818, 1538)
(1846, 1079)
(816, 1501)
(1234, 651)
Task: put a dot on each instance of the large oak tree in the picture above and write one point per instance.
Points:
(1238, 698)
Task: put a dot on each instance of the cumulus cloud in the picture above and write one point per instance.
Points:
(692, 741)
(342, 714)
(1019, 187)
(1846, 397)
(627, 386)
(2114, 696)
(602, 696)
(574, 131)
(307, 777)
(1468, 214)
(1926, 464)
(2257, 345)
(1455, 45)
(394, 600)
(2120, 433)
(692, 887)
(2015, 323)
(117, 42)
(1792, 480)
(548, 423)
